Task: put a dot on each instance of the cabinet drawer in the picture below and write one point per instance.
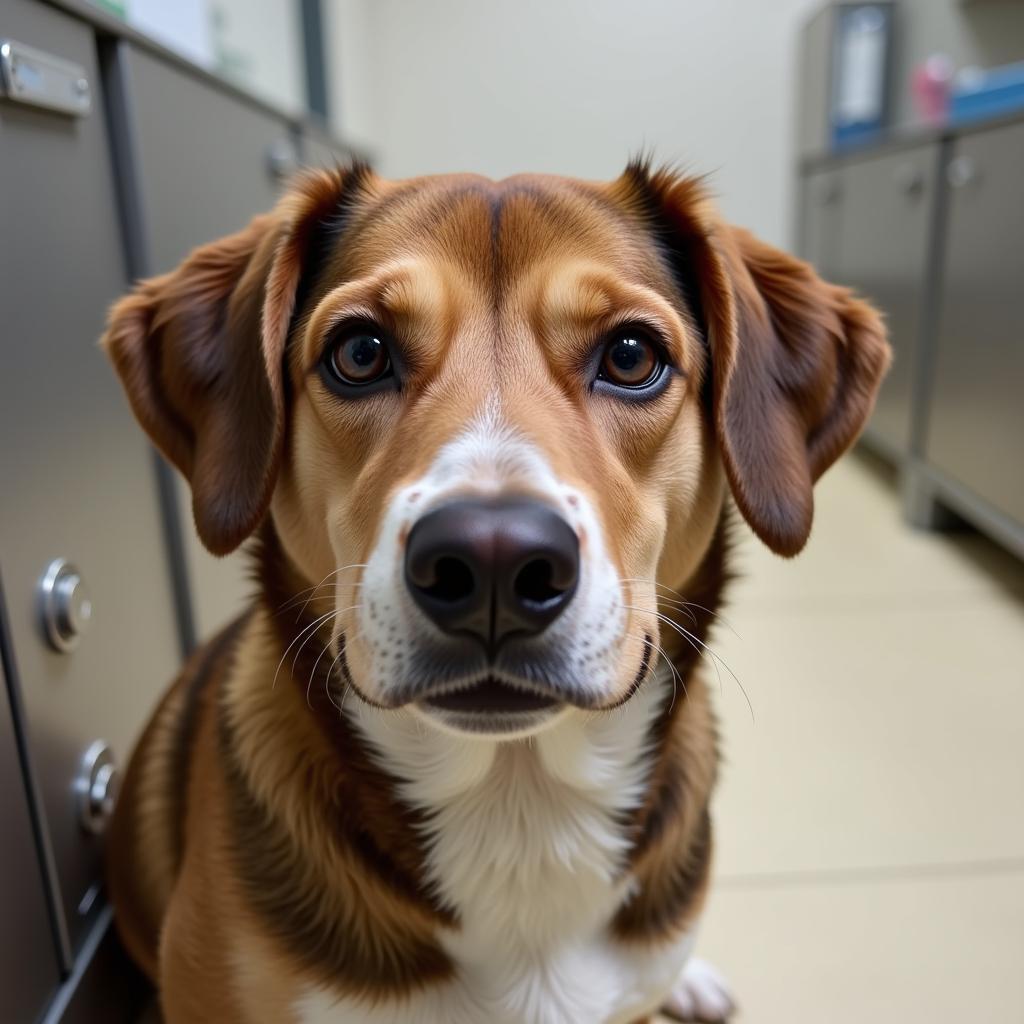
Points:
(882, 251)
(976, 417)
(28, 962)
(77, 473)
(208, 163)
(820, 199)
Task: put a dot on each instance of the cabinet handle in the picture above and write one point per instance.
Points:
(910, 180)
(829, 192)
(97, 786)
(64, 605)
(39, 79)
(962, 171)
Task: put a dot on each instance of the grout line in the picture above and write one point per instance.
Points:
(845, 604)
(855, 876)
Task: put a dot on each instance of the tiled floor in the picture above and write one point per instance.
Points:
(871, 814)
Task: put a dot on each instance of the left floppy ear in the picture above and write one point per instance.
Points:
(796, 362)
(200, 353)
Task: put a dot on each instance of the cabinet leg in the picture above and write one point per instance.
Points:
(921, 506)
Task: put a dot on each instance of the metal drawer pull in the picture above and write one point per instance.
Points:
(961, 172)
(282, 159)
(97, 786)
(39, 79)
(909, 179)
(64, 605)
(828, 193)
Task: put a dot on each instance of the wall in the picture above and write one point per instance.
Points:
(576, 87)
(258, 43)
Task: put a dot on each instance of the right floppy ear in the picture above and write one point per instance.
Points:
(795, 362)
(200, 352)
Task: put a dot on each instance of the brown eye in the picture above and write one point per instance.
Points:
(360, 357)
(630, 360)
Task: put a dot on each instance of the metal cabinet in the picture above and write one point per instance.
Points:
(207, 162)
(882, 250)
(77, 473)
(819, 228)
(976, 417)
(28, 961)
(317, 149)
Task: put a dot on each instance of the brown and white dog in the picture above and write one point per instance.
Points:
(453, 765)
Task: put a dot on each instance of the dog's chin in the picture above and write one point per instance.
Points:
(491, 708)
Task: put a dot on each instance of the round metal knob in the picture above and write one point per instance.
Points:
(961, 171)
(65, 605)
(97, 786)
(282, 159)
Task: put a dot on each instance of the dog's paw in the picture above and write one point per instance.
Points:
(701, 995)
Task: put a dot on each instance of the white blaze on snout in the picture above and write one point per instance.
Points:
(489, 458)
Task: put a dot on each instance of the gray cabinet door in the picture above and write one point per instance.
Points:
(77, 474)
(28, 961)
(208, 163)
(976, 416)
(882, 252)
(820, 204)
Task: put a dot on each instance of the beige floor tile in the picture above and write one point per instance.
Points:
(886, 672)
(877, 738)
(861, 552)
(913, 951)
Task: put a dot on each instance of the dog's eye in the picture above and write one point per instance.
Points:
(358, 357)
(630, 360)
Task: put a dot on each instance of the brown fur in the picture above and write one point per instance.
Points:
(254, 826)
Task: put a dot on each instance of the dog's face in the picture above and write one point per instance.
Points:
(494, 421)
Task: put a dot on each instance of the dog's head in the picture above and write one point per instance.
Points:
(496, 418)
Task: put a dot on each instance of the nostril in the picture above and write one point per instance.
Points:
(534, 583)
(453, 581)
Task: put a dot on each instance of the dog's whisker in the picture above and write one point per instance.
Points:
(681, 602)
(314, 597)
(337, 612)
(344, 568)
(663, 656)
(694, 641)
(312, 626)
(675, 605)
(686, 635)
(326, 648)
(299, 595)
(330, 676)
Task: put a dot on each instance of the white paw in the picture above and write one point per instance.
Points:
(701, 994)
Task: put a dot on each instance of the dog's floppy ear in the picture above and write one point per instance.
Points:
(795, 361)
(200, 352)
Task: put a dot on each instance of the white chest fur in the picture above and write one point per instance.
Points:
(525, 841)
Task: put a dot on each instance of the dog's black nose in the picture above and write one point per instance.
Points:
(491, 568)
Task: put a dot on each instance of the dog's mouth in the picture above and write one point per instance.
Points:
(491, 696)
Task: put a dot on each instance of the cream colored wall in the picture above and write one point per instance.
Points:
(576, 87)
(258, 43)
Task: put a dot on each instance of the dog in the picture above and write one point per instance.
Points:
(453, 765)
